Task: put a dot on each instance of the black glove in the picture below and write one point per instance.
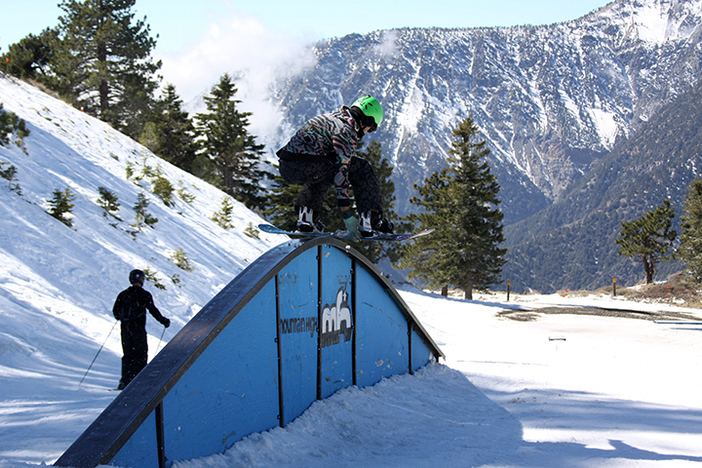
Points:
(166, 323)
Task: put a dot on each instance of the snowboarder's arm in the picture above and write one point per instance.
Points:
(345, 147)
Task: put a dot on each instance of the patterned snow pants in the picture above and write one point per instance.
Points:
(317, 178)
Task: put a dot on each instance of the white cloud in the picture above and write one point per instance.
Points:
(388, 47)
(241, 46)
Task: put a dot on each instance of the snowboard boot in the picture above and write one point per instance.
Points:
(373, 224)
(306, 222)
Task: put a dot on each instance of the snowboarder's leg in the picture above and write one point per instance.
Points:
(366, 186)
(369, 200)
(316, 179)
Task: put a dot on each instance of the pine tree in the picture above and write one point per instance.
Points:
(30, 57)
(10, 175)
(232, 150)
(461, 202)
(12, 128)
(649, 238)
(690, 251)
(61, 205)
(108, 202)
(143, 217)
(170, 133)
(223, 217)
(102, 62)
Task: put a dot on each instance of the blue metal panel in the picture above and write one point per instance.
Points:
(217, 379)
(139, 451)
(297, 286)
(383, 344)
(421, 354)
(336, 324)
(232, 388)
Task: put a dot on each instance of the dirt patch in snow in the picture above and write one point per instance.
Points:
(535, 314)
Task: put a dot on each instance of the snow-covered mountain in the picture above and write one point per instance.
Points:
(550, 100)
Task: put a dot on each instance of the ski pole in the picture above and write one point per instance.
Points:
(96, 355)
(160, 339)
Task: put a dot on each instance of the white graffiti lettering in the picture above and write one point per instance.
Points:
(336, 320)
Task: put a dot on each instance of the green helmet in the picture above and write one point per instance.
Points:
(370, 108)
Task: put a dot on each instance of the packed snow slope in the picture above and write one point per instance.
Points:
(559, 390)
(58, 283)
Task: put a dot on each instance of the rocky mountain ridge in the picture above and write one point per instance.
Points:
(550, 100)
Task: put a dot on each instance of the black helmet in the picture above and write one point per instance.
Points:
(137, 276)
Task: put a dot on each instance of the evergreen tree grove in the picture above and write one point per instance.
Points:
(690, 251)
(101, 62)
(229, 147)
(170, 133)
(649, 238)
(461, 202)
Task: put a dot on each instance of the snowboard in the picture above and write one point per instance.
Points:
(380, 237)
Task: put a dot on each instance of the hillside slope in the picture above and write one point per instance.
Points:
(58, 284)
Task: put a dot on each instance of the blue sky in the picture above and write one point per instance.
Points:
(179, 22)
(198, 41)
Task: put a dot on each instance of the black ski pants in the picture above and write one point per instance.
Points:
(317, 178)
(135, 351)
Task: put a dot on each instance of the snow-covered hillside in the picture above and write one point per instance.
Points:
(557, 391)
(58, 284)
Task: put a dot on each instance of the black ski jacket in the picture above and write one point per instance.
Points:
(131, 306)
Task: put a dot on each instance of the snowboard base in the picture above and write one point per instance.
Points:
(344, 235)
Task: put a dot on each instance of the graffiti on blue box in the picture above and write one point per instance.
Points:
(299, 325)
(336, 321)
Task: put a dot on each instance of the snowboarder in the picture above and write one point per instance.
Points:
(130, 309)
(322, 154)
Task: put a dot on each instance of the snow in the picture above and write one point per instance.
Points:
(561, 390)
(652, 22)
(606, 124)
(564, 390)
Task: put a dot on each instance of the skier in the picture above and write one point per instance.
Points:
(322, 154)
(130, 309)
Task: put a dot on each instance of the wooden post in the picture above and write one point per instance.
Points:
(508, 283)
(614, 287)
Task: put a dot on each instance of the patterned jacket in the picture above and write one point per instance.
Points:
(327, 138)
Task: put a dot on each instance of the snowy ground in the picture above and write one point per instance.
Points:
(563, 390)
